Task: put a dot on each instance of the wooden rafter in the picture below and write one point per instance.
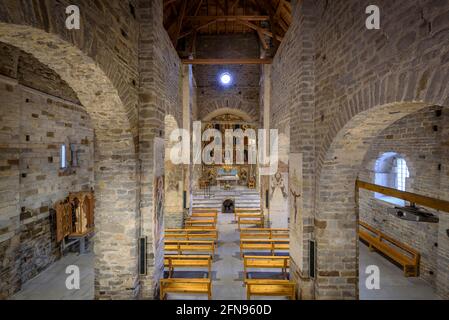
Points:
(227, 18)
(189, 18)
(226, 61)
(179, 23)
(257, 28)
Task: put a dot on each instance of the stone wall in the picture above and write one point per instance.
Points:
(107, 35)
(357, 83)
(244, 93)
(100, 63)
(34, 126)
(419, 142)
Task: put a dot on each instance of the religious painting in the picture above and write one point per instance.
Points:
(158, 192)
(279, 213)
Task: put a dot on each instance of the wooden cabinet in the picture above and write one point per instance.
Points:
(75, 215)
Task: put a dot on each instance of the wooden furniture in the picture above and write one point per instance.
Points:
(264, 233)
(213, 216)
(404, 255)
(204, 210)
(198, 223)
(252, 183)
(191, 234)
(188, 261)
(182, 246)
(271, 245)
(266, 262)
(271, 288)
(200, 227)
(186, 286)
(250, 219)
(247, 211)
(75, 216)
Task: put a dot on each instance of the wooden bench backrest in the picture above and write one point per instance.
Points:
(242, 210)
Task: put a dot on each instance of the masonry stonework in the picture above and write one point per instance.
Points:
(362, 81)
(34, 126)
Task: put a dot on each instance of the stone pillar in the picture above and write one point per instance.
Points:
(302, 141)
(151, 145)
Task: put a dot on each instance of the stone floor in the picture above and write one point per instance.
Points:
(393, 284)
(50, 284)
(227, 275)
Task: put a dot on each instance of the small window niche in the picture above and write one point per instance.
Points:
(63, 157)
(68, 158)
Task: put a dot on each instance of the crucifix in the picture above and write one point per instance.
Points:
(295, 197)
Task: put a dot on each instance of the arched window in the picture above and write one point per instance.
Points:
(391, 171)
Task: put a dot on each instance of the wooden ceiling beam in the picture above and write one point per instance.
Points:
(262, 40)
(180, 23)
(205, 25)
(225, 61)
(227, 18)
(232, 7)
(257, 28)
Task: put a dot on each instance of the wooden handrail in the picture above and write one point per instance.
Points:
(429, 202)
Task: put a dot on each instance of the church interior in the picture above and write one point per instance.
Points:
(348, 201)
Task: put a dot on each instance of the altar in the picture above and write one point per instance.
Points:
(227, 178)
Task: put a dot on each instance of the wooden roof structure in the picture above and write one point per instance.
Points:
(184, 20)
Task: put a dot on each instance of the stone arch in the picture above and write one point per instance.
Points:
(336, 216)
(222, 111)
(115, 159)
(233, 104)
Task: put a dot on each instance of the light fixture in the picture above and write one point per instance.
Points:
(225, 79)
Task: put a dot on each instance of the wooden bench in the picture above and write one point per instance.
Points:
(271, 288)
(250, 219)
(204, 215)
(200, 223)
(266, 262)
(191, 234)
(404, 255)
(181, 246)
(187, 261)
(264, 233)
(271, 245)
(205, 210)
(246, 211)
(186, 286)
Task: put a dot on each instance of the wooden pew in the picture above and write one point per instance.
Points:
(191, 234)
(264, 233)
(186, 286)
(187, 261)
(247, 211)
(204, 215)
(181, 246)
(205, 210)
(250, 219)
(200, 224)
(266, 262)
(271, 245)
(271, 288)
(401, 253)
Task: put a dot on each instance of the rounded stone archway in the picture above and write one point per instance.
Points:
(336, 215)
(116, 273)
